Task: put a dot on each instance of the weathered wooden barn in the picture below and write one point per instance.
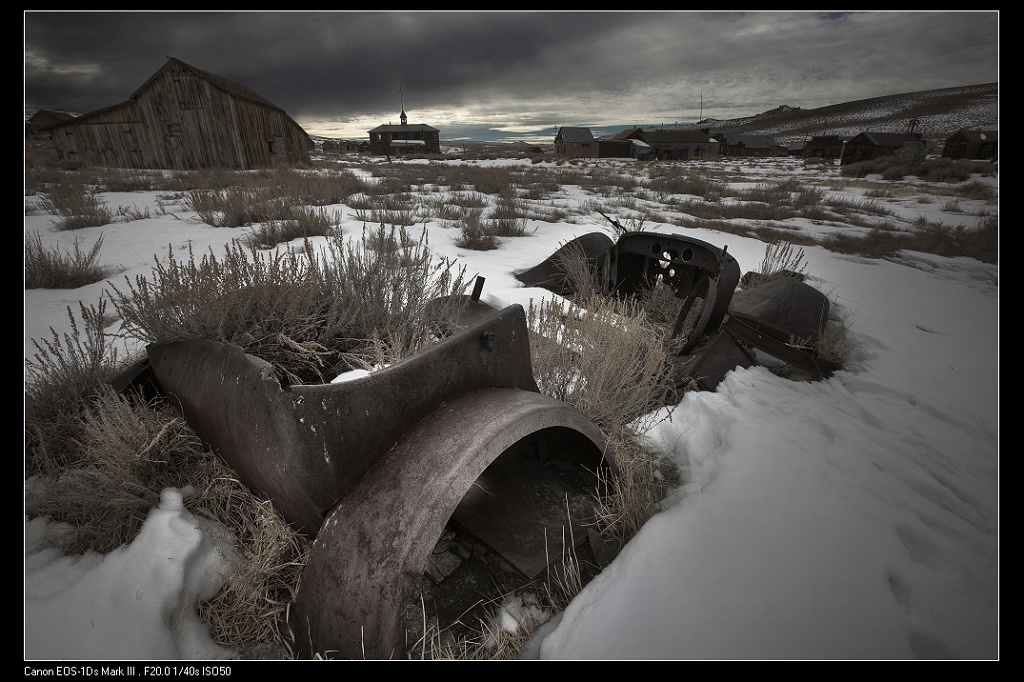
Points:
(405, 139)
(972, 144)
(576, 143)
(184, 118)
(867, 146)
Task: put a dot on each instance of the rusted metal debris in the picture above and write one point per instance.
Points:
(782, 317)
(307, 446)
(459, 434)
(375, 468)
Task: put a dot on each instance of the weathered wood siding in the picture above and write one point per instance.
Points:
(183, 121)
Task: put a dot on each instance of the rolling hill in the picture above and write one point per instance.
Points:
(938, 113)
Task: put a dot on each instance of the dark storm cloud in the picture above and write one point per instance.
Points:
(520, 68)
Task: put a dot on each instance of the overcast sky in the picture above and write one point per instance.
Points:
(339, 74)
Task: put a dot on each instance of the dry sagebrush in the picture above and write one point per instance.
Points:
(312, 313)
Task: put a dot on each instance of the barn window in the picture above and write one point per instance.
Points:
(174, 129)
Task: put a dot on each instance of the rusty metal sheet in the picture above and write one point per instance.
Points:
(550, 273)
(355, 587)
(707, 365)
(784, 318)
(306, 446)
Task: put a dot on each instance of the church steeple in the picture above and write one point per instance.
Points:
(405, 119)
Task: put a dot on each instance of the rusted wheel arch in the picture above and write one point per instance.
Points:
(355, 587)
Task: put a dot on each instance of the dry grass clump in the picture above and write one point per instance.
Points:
(129, 180)
(75, 205)
(980, 242)
(66, 374)
(976, 190)
(677, 179)
(781, 259)
(126, 452)
(501, 637)
(601, 356)
(238, 206)
(896, 167)
(635, 492)
(250, 612)
(506, 219)
(305, 222)
(475, 233)
(605, 358)
(57, 269)
(122, 455)
(311, 314)
(835, 342)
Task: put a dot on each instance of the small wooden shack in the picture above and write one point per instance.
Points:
(972, 144)
(824, 146)
(38, 123)
(867, 146)
(749, 145)
(576, 143)
(184, 118)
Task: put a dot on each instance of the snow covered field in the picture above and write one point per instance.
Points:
(851, 518)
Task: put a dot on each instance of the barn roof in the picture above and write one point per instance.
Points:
(889, 139)
(48, 116)
(752, 141)
(225, 84)
(414, 127)
(575, 134)
(676, 136)
(976, 135)
(628, 133)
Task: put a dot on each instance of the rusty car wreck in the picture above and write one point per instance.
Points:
(375, 469)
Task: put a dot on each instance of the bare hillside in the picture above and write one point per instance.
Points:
(937, 113)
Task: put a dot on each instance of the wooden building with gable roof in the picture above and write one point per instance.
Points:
(185, 118)
(404, 138)
(43, 119)
(972, 144)
(749, 145)
(575, 142)
(868, 145)
(677, 144)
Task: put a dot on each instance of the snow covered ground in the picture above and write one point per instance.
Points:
(851, 518)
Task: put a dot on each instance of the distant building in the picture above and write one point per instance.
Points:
(867, 146)
(405, 139)
(615, 149)
(749, 145)
(824, 146)
(972, 144)
(339, 146)
(676, 144)
(43, 119)
(576, 143)
(185, 118)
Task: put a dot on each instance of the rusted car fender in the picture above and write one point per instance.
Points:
(306, 446)
(355, 588)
